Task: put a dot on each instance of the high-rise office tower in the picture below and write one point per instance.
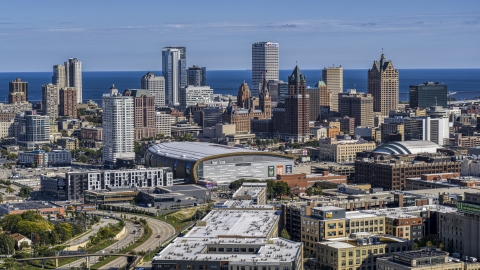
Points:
(264, 64)
(174, 70)
(383, 86)
(265, 100)
(73, 76)
(144, 111)
(333, 78)
(59, 76)
(68, 102)
(156, 86)
(319, 97)
(118, 127)
(428, 94)
(243, 96)
(297, 108)
(357, 105)
(31, 129)
(50, 100)
(197, 76)
(282, 90)
(193, 95)
(17, 91)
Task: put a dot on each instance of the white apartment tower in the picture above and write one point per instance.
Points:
(163, 123)
(118, 127)
(156, 86)
(174, 70)
(264, 64)
(73, 76)
(333, 78)
(59, 76)
(50, 98)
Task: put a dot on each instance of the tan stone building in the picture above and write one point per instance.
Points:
(17, 91)
(333, 78)
(357, 105)
(144, 111)
(341, 151)
(383, 86)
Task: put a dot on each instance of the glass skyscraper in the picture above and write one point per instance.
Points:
(174, 70)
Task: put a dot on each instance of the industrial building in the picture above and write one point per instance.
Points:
(221, 164)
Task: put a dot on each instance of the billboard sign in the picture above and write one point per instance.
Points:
(279, 169)
(468, 207)
(288, 169)
(271, 171)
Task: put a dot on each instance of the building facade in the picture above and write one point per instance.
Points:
(59, 76)
(333, 78)
(357, 105)
(50, 100)
(156, 86)
(144, 111)
(118, 127)
(73, 76)
(192, 95)
(383, 86)
(264, 64)
(174, 70)
(17, 91)
(68, 102)
(428, 94)
(31, 129)
(197, 76)
(163, 124)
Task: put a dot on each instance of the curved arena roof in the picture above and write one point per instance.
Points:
(407, 147)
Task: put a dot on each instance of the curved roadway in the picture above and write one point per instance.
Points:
(158, 227)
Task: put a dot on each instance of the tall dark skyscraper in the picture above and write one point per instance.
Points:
(428, 94)
(297, 108)
(17, 91)
(383, 86)
(197, 76)
(174, 70)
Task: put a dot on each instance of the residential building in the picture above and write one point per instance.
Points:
(257, 192)
(347, 124)
(314, 97)
(68, 102)
(333, 78)
(118, 127)
(360, 252)
(425, 259)
(59, 77)
(31, 129)
(197, 76)
(325, 94)
(383, 86)
(7, 129)
(357, 105)
(41, 158)
(163, 124)
(144, 111)
(264, 64)
(17, 91)
(50, 101)
(428, 94)
(73, 76)
(174, 70)
(19, 240)
(92, 133)
(156, 86)
(68, 143)
(192, 95)
(9, 111)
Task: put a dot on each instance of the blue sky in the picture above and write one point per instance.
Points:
(129, 35)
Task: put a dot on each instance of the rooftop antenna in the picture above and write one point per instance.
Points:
(382, 50)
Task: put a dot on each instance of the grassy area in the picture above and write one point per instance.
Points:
(147, 233)
(65, 261)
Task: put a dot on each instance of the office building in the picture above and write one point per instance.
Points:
(73, 76)
(40, 158)
(31, 129)
(144, 111)
(211, 116)
(282, 90)
(314, 97)
(17, 91)
(50, 101)
(257, 192)
(192, 95)
(9, 111)
(197, 76)
(68, 102)
(244, 96)
(383, 86)
(174, 70)
(59, 77)
(428, 94)
(163, 124)
(291, 122)
(118, 127)
(357, 105)
(7, 129)
(393, 132)
(333, 78)
(156, 86)
(342, 151)
(264, 64)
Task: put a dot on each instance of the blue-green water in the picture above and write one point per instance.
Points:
(466, 82)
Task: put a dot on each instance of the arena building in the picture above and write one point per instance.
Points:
(198, 161)
(407, 148)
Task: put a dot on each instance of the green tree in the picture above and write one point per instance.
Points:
(25, 192)
(137, 147)
(64, 231)
(7, 244)
(12, 156)
(9, 190)
(82, 159)
(24, 245)
(284, 234)
(1, 198)
(46, 148)
(429, 244)
(309, 191)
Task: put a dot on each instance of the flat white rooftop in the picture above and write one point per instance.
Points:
(251, 191)
(238, 223)
(271, 250)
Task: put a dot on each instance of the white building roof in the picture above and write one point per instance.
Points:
(407, 147)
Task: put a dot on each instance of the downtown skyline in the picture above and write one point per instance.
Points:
(430, 34)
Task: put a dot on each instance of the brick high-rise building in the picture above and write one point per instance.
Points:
(17, 91)
(297, 108)
(144, 111)
(358, 105)
(156, 86)
(383, 86)
(68, 102)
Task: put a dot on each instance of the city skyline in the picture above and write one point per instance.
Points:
(428, 34)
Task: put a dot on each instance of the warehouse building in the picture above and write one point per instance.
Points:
(197, 161)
